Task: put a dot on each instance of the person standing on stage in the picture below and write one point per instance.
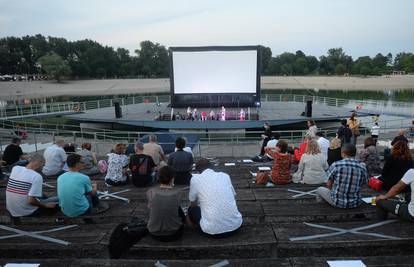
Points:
(242, 115)
(189, 112)
(195, 114)
(223, 114)
(203, 116)
(212, 115)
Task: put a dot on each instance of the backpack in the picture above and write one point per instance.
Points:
(124, 236)
(140, 168)
(103, 166)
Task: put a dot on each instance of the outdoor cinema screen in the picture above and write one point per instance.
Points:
(214, 71)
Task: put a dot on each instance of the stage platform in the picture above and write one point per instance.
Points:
(276, 113)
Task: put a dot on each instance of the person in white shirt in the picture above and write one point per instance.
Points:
(402, 210)
(272, 143)
(323, 144)
(24, 196)
(312, 130)
(55, 158)
(212, 203)
(375, 129)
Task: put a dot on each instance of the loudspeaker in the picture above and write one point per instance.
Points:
(118, 110)
(308, 108)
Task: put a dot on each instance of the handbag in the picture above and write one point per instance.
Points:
(375, 184)
(262, 177)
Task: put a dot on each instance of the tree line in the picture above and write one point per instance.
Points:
(60, 58)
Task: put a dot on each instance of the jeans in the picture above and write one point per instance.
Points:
(93, 202)
(323, 193)
(391, 206)
(194, 213)
(42, 211)
(117, 183)
(354, 139)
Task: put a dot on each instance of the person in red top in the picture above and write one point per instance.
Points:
(281, 164)
(203, 116)
(302, 148)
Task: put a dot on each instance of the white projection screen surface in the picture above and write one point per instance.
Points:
(215, 72)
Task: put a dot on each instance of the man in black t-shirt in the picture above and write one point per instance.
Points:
(13, 154)
(266, 136)
(142, 167)
(344, 133)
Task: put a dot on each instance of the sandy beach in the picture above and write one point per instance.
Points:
(41, 89)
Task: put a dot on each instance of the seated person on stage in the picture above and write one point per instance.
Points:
(13, 154)
(142, 167)
(370, 157)
(77, 195)
(212, 115)
(400, 137)
(345, 179)
(24, 195)
(402, 210)
(213, 207)
(55, 157)
(117, 166)
(312, 166)
(182, 162)
(396, 166)
(203, 116)
(281, 164)
(166, 217)
(156, 152)
(90, 162)
(334, 151)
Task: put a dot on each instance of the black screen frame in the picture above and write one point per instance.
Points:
(215, 99)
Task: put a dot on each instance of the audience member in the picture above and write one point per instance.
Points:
(77, 195)
(334, 151)
(90, 162)
(141, 167)
(397, 165)
(353, 124)
(186, 148)
(13, 154)
(213, 206)
(402, 210)
(55, 158)
(281, 165)
(345, 179)
(156, 152)
(24, 196)
(69, 148)
(182, 162)
(272, 144)
(266, 137)
(298, 152)
(400, 137)
(312, 166)
(323, 144)
(312, 130)
(117, 166)
(344, 133)
(412, 130)
(375, 129)
(166, 217)
(370, 157)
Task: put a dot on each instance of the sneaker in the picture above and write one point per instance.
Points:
(108, 185)
(269, 184)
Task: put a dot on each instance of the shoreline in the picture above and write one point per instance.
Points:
(47, 89)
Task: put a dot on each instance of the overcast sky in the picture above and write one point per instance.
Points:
(361, 27)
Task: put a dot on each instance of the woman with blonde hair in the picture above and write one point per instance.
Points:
(334, 151)
(117, 166)
(90, 162)
(312, 166)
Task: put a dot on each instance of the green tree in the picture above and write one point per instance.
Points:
(266, 56)
(340, 69)
(54, 66)
(154, 59)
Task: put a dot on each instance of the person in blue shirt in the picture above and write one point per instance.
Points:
(77, 195)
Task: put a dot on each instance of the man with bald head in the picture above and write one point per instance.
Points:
(55, 158)
(24, 196)
(213, 205)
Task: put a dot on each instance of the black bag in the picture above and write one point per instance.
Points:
(124, 236)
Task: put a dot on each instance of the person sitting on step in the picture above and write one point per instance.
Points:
(312, 166)
(345, 179)
(13, 154)
(182, 162)
(281, 164)
(24, 196)
(55, 158)
(166, 217)
(213, 209)
(117, 166)
(142, 167)
(77, 195)
(370, 157)
(403, 210)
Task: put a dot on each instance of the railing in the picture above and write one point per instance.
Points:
(378, 106)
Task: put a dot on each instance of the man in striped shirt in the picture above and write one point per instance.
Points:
(345, 179)
(24, 190)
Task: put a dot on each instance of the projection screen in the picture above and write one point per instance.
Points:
(211, 76)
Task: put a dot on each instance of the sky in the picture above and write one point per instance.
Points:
(361, 27)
